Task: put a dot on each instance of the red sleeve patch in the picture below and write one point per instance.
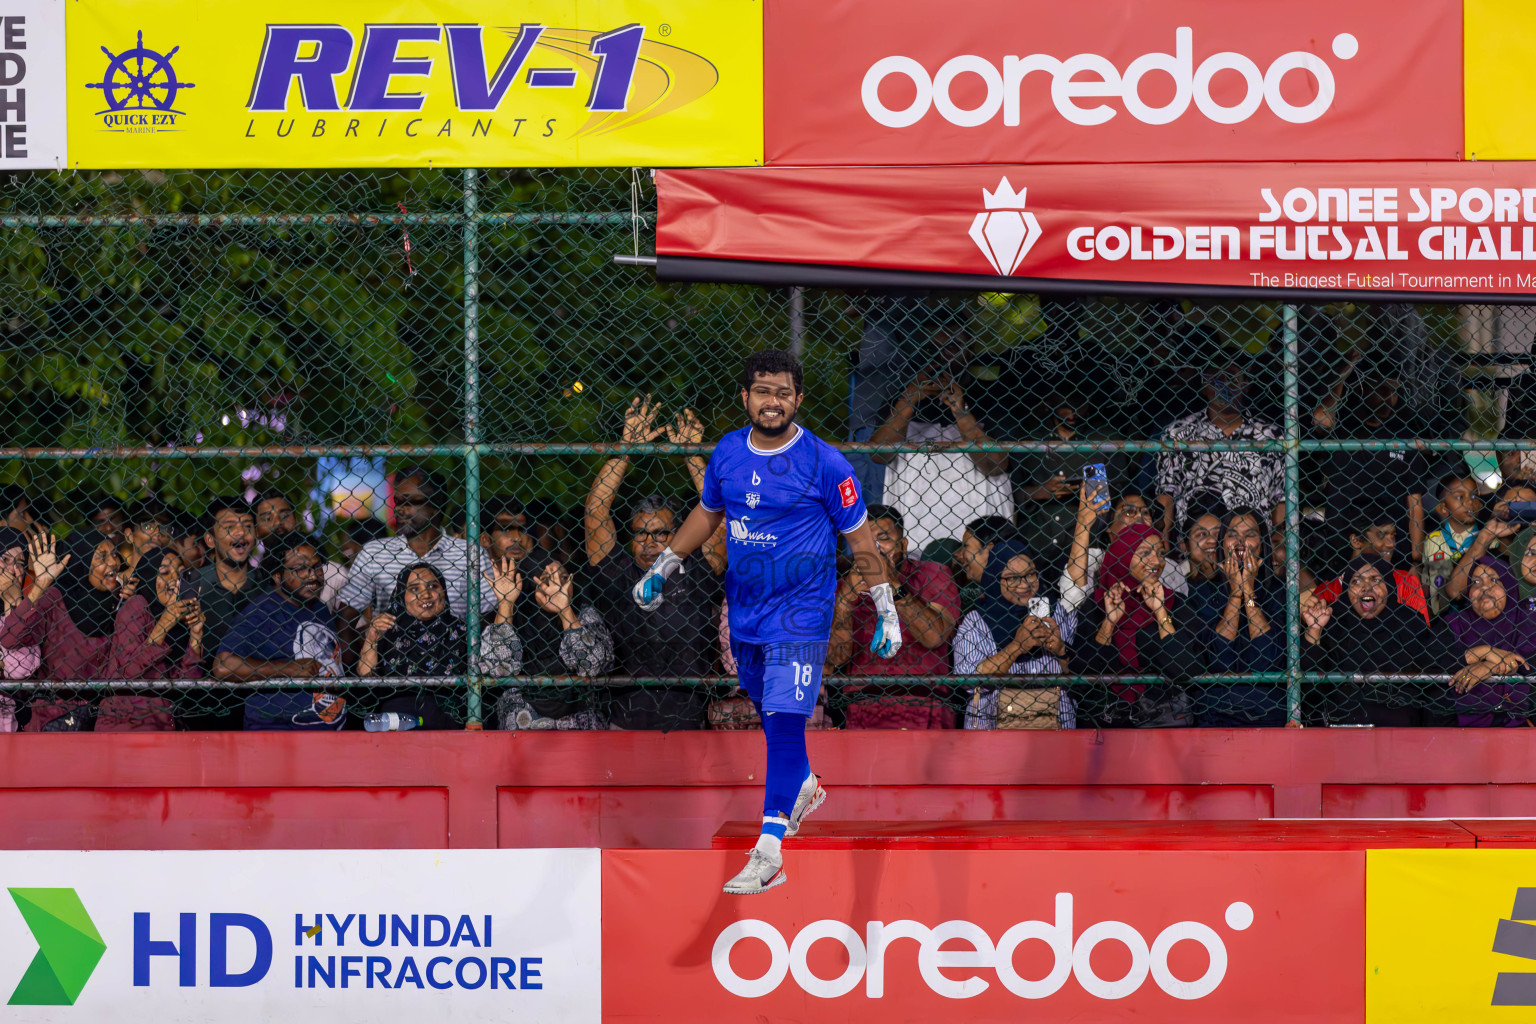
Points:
(849, 493)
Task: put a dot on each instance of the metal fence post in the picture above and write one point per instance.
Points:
(473, 711)
(1292, 518)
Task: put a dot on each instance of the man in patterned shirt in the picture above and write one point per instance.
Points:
(1240, 479)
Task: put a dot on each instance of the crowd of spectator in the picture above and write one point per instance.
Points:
(1024, 602)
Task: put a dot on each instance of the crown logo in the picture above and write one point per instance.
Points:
(1005, 198)
(1006, 231)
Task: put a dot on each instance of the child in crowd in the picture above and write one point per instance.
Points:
(1373, 531)
(1458, 508)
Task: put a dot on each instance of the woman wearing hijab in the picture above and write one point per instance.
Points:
(1522, 561)
(1007, 634)
(159, 636)
(1497, 634)
(1243, 626)
(1140, 628)
(418, 636)
(70, 611)
(559, 634)
(1370, 632)
(21, 663)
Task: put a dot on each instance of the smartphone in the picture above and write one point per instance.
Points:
(1040, 607)
(1097, 482)
(190, 585)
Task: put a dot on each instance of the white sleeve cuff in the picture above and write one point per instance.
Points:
(862, 520)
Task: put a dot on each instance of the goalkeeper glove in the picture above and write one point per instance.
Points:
(887, 639)
(647, 592)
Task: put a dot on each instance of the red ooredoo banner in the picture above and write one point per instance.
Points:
(892, 936)
(870, 82)
(1457, 228)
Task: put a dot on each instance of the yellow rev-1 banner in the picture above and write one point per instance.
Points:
(364, 83)
(1450, 936)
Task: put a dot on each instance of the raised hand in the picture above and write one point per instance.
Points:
(554, 589)
(1316, 613)
(380, 625)
(951, 395)
(640, 422)
(1151, 591)
(507, 581)
(923, 386)
(685, 428)
(43, 558)
(1086, 512)
(1501, 529)
(1114, 603)
(196, 621)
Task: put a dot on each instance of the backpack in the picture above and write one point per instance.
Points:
(59, 714)
(294, 711)
(657, 707)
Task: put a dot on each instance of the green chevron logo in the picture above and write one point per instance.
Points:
(68, 947)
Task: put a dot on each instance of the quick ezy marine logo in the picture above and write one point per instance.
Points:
(140, 88)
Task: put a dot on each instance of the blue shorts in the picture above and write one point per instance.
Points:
(782, 676)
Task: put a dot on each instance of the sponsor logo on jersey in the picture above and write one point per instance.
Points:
(744, 534)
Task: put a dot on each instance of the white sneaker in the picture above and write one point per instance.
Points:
(760, 875)
(811, 797)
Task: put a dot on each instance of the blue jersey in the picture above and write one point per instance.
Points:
(785, 509)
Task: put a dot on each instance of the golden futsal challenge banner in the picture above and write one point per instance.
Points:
(362, 83)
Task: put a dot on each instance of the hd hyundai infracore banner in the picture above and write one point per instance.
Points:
(1415, 228)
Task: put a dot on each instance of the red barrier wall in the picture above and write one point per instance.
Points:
(631, 789)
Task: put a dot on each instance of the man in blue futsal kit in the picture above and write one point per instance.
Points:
(787, 494)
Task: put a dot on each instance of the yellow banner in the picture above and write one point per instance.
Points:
(1499, 39)
(1450, 936)
(364, 83)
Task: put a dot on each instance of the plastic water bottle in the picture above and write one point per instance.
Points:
(390, 721)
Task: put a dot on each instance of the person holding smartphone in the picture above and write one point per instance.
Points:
(1049, 481)
(160, 635)
(1013, 630)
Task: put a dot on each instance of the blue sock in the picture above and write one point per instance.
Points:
(788, 764)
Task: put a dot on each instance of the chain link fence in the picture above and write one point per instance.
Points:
(258, 398)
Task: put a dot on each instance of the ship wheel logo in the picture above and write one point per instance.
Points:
(140, 79)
